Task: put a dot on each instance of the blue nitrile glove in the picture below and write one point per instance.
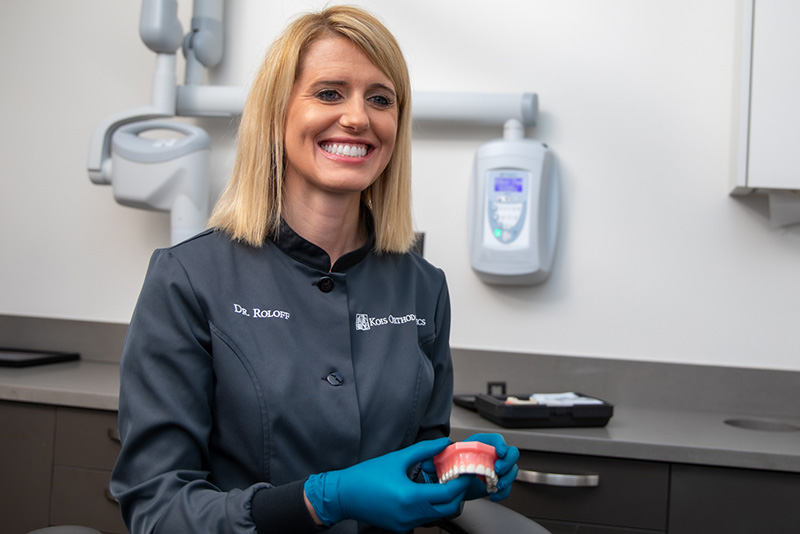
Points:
(505, 467)
(379, 492)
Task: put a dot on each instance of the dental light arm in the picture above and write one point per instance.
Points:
(159, 26)
(203, 45)
(476, 108)
(161, 31)
(164, 91)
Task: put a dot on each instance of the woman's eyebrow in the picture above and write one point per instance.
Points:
(384, 87)
(331, 82)
(343, 83)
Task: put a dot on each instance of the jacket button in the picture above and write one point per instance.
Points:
(325, 284)
(335, 379)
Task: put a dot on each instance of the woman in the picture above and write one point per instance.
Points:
(289, 369)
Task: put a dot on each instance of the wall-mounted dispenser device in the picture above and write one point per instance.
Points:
(163, 173)
(514, 209)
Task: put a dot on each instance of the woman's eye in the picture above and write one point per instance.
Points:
(381, 101)
(328, 95)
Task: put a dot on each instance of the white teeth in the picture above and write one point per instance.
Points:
(487, 472)
(352, 151)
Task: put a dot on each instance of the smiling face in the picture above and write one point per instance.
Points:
(341, 122)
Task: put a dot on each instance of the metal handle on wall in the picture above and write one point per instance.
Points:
(558, 479)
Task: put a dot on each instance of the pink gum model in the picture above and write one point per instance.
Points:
(467, 457)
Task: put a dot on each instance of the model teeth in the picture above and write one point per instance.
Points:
(351, 151)
(463, 469)
(468, 457)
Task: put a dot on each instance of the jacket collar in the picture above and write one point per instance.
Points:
(304, 251)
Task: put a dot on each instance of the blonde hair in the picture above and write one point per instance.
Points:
(251, 205)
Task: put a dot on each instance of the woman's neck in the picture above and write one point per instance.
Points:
(333, 223)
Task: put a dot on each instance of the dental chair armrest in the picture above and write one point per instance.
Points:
(483, 516)
(65, 529)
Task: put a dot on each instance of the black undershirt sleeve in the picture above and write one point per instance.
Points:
(282, 509)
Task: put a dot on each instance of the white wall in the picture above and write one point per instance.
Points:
(637, 99)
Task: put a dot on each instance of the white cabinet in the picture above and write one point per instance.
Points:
(769, 114)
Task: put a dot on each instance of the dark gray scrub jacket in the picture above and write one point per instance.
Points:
(247, 369)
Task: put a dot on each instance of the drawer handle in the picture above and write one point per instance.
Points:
(111, 497)
(113, 434)
(558, 479)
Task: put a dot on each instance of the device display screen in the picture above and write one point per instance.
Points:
(508, 184)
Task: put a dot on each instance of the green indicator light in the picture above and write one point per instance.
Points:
(498, 232)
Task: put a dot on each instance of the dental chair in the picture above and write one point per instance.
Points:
(65, 529)
(481, 516)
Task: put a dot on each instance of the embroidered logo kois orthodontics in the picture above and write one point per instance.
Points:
(365, 322)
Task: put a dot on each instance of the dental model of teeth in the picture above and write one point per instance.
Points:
(467, 457)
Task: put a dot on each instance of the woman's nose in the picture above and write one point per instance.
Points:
(354, 116)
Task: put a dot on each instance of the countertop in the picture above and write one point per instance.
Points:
(668, 435)
(82, 384)
(683, 436)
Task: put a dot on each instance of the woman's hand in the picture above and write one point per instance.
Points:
(505, 467)
(379, 492)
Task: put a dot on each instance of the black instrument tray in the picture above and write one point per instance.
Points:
(27, 358)
(494, 408)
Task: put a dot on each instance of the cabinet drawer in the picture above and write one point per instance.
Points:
(86, 438)
(734, 501)
(630, 493)
(26, 452)
(80, 497)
